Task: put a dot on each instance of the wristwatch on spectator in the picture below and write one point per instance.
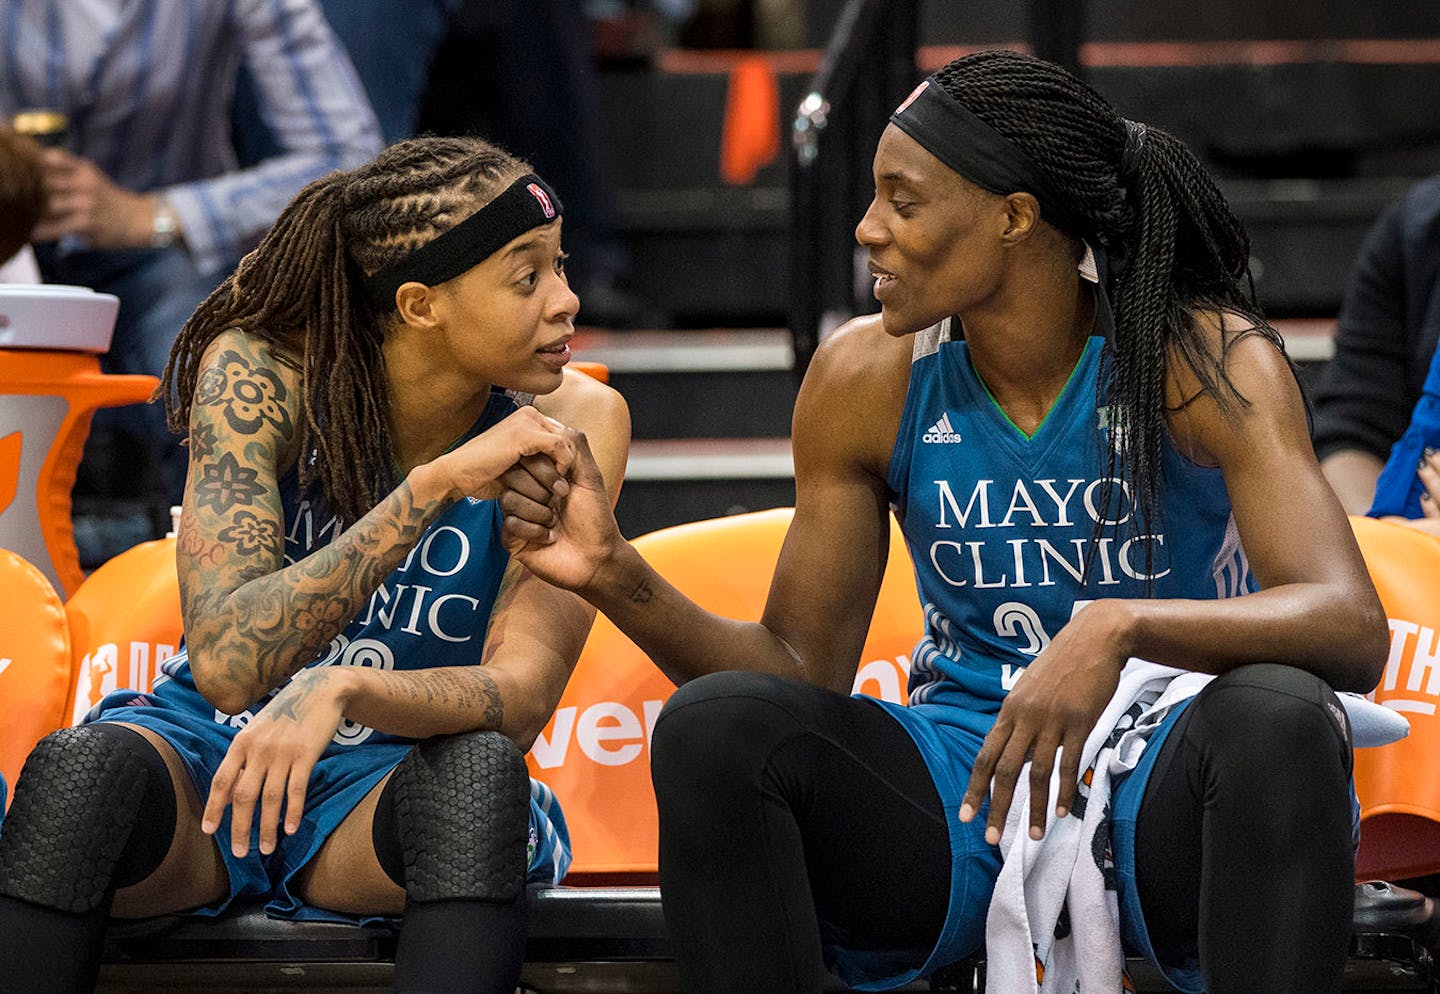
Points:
(164, 226)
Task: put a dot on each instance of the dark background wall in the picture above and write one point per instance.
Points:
(1313, 115)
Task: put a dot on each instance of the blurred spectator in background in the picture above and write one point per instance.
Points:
(391, 44)
(519, 73)
(1387, 333)
(631, 31)
(146, 196)
(22, 202)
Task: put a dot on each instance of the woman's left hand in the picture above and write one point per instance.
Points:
(270, 760)
(1054, 706)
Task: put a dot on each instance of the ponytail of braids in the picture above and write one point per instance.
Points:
(1151, 205)
(295, 292)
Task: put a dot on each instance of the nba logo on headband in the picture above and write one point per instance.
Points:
(911, 98)
(540, 195)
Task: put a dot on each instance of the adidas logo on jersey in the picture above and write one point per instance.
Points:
(941, 431)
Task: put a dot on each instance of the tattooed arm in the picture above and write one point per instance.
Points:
(251, 621)
(535, 634)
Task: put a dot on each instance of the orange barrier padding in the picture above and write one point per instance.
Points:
(34, 661)
(594, 753)
(47, 398)
(1399, 784)
(124, 622)
(750, 136)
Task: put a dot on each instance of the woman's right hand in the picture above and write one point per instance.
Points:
(476, 468)
(563, 541)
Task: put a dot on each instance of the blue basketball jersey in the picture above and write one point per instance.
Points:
(1002, 527)
(433, 610)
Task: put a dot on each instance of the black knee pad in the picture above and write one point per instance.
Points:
(67, 841)
(458, 809)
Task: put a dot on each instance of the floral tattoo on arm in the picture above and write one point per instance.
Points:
(251, 534)
(226, 483)
(254, 619)
(202, 441)
(250, 396)
(282, 621)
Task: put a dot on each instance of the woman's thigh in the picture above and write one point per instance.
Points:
(840, 791)
(192, 874)
(345, 874)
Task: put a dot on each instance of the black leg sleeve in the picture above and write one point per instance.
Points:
(451, 827)
(94, 810)
(473, 946)
(1244, 851)
(782, 810)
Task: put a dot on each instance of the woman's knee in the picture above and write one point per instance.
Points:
(1266, 714)
(94, 809)
(720, 725)
(461, 811)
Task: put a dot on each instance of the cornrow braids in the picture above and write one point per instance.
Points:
(1158, 214)
(302, 291)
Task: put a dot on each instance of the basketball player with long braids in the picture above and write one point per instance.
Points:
(1095, 445)
(364, 664)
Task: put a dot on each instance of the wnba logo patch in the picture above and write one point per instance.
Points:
(544, 198)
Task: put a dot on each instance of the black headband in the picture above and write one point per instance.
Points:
(526, 204)
(948, 130)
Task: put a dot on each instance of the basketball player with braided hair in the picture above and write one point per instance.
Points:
(364, 664)
(1098, 454)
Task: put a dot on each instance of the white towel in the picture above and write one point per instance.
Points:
(1057, 884)
(1373, 724)
(1061, 874)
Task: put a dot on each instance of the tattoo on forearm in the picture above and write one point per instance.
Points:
(464, 689)
(312, 601)
(642, 593)
(291, 702)
(510, 583)
(494, 705)
(258, 621)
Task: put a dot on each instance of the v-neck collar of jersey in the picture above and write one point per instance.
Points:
(1061, 403)
(1027, 449)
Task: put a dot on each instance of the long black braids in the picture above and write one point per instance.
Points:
(1154, 210)
(302, 292)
